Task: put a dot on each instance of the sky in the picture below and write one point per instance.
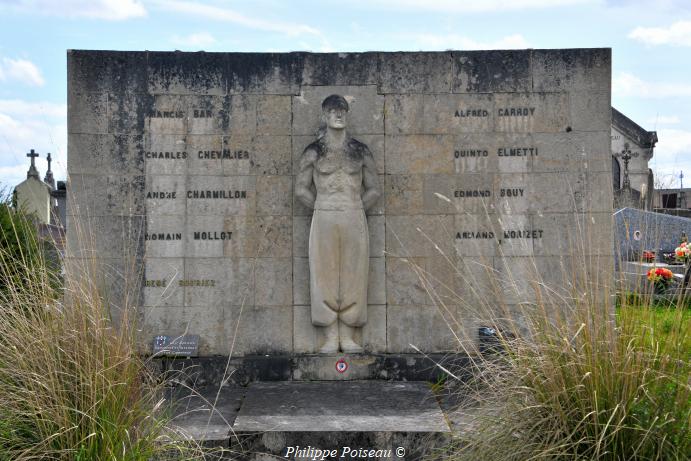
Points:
(650, 41)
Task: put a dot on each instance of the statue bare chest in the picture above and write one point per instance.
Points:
(335, 172)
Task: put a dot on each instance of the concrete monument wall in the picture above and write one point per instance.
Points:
(186, 162)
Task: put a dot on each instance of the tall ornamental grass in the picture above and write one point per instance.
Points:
(582, 373)
(72, 385)
(605, 392)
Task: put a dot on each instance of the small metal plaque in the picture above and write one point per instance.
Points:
(176, 346)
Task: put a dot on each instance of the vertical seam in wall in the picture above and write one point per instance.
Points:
(530, 71)
(451, 72)
(383, 198)
(292, 226)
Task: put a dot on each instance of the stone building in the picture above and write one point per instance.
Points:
(673, 201)
(33, 195)
(632, 149)
(45, 200)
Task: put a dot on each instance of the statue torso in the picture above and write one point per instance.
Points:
(338, 180)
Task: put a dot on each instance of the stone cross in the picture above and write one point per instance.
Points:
(626, 156)
(49, 174)
(681, 180)
(33, 155)
(32, 169)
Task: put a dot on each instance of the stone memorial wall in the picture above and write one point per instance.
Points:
(491, 164)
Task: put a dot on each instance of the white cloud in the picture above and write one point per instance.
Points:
(468, 6)
(20, 70)
(31, 125)
(626, 84)
(12, 175)
(672, 155)
(460, 42)
(216, 13)
(112, 10)
(196, 40)
(20, 108)
(664, 120)
(678, 34)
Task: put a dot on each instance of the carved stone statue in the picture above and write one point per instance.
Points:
(338, 179)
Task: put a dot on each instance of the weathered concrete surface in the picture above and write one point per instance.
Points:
(638, 230)
(265, 419)
(207, 371)
(185, 163)
(206, 414)
(358, 406)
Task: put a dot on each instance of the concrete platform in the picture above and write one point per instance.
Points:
(267, 420)
(354, 406)
(207, 415)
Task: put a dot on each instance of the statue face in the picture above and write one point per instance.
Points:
(336, 118)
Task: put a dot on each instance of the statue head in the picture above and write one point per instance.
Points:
(334, 109)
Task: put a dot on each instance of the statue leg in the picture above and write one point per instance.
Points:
(354, 277)
(348, 344)
(330, 345)
(324, 283)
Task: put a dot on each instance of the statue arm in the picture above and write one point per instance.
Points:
(370, 181)
(303, 180)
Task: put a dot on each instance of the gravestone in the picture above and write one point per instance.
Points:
(494, 166)
(637, 231)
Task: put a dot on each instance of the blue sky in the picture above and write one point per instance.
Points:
(650, 41)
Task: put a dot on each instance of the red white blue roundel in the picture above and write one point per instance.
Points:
(341, 366)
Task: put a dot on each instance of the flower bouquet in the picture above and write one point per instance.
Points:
(669, 258)
(660, 277)
(683, 252)
(648, 256)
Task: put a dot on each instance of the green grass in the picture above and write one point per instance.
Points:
(660, 321)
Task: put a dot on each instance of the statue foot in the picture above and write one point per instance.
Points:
(350, 346)
(329, 348)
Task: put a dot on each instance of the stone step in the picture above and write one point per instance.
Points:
(293, 419)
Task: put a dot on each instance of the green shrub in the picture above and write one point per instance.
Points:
(23, 251)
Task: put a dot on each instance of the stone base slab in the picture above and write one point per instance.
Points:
(207, 371)
(292, 419)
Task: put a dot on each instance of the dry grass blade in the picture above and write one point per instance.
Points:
(72, 383)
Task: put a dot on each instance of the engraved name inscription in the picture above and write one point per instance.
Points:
(162, 283)
(475, 193)
(167, 114)
(216, 194)
(163, 236)
(196, 113)
(225, 154)
(464, 153)
(515, 111)
(501, 152)
(472, 193)
(471, 113)
(165, 155)
(517, 152)
(171, 195)
(212, 235)
(196, 235)
(506, 234)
